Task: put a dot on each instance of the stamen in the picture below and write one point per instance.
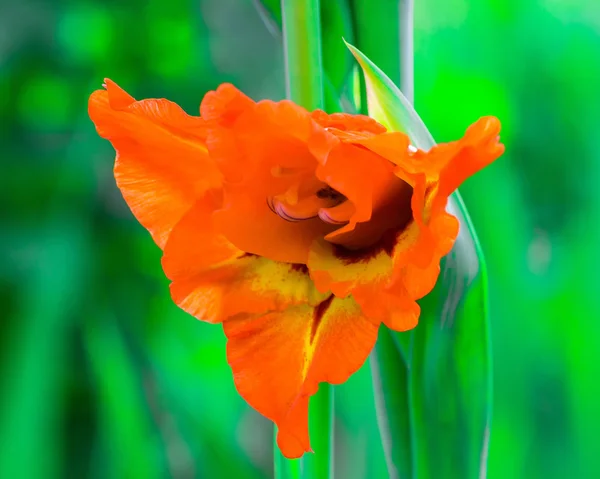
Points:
(270, 205)
(339, 214)
(280, 209)
(324, 215)
(293, 205)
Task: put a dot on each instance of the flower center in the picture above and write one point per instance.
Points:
(329, 193)
(383, 208)
(306, 200)
(311, 198)
(390, 216)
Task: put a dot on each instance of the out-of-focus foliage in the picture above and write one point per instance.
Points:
(101, 376)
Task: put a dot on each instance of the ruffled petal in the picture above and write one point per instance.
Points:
(348, 122)
(213, 280)
(252, 143)
(450, 164)
(162, 163)
(477, 149)
(278, 360)
(366, 179)
(403, 266)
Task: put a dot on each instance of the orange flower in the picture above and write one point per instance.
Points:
(300, 232)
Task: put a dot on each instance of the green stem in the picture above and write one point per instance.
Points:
(320, 422)
(319, 464)
(304, 85)
(302, 49)
(285, 468)
(390, 372)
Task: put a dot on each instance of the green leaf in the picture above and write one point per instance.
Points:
(450, 365)
(270, 12)
(387, 104)
(448, 388)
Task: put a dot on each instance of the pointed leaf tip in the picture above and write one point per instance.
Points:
(388, 105)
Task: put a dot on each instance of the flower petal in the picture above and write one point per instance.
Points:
(348, 122)
(477, 149)
(162, 163)
(367, 180)
(384, 281)
(278, 360)
(252, 226)
(388, 278)
(449, 163)
(250, 142)
(213, 280)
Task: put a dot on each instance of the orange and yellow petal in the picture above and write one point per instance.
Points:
(247, 284)
(367, 277)
(213, 280)
(162, 164)
(279, 359)
(388, 278)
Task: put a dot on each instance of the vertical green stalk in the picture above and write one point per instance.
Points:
(302, 50)
(320, 423)
(285, 468)
(390, 372)
(304, 86)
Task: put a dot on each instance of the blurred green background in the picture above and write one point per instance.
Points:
(102, 376)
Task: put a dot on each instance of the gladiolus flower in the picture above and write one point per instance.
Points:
(301, 232)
